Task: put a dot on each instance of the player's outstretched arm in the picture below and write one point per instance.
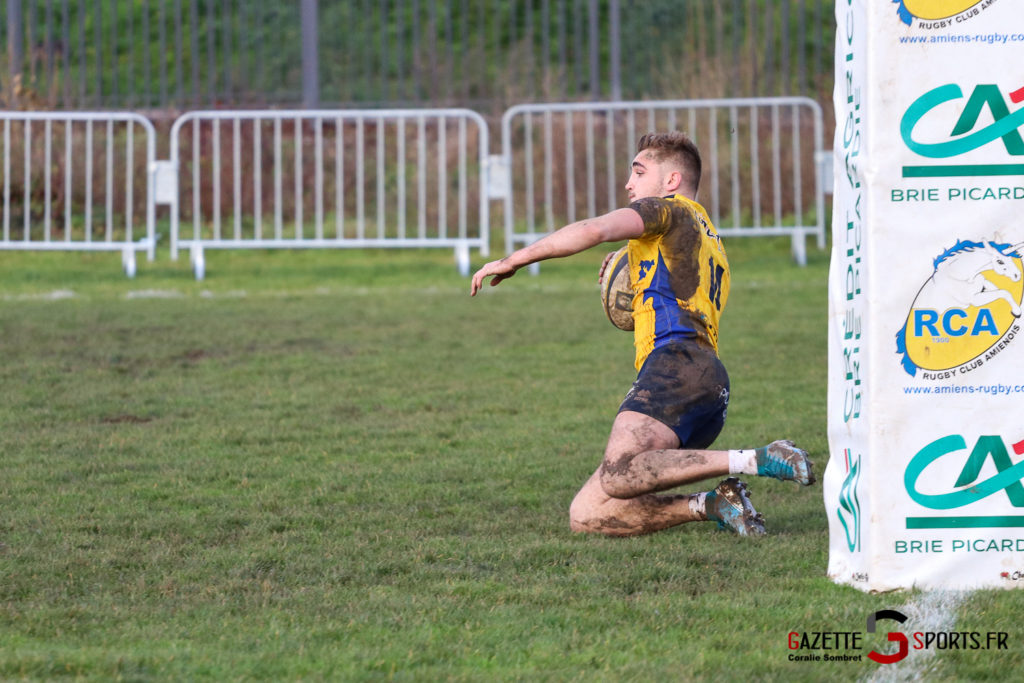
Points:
(617, 225)
(501, 270)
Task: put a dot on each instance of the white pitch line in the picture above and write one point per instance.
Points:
(55, 295)
(154, 294)
(933, 611)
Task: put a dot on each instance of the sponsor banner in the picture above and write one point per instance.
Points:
(926, 288)
(847, 493)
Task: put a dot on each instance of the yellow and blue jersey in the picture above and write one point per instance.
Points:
(679, 274)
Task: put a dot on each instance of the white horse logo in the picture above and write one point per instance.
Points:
(958, 278)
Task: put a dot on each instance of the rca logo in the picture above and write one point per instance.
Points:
(970, 302)
(937, 10)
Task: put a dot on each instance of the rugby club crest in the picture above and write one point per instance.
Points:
(966, 312)
(939, 10)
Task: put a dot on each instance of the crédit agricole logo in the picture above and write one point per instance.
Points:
(987, 454)
(966, 134)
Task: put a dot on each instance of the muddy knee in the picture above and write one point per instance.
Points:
(584, 519)
(615, 478)
(581, 515)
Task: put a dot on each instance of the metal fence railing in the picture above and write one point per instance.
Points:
(327, 179)
(568, 161)
(78, 182)
(411, 178)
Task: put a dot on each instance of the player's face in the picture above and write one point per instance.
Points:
(646, 178)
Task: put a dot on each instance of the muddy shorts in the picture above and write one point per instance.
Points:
(685, 386)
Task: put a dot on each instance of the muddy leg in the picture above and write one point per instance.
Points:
(594, 511)
(643, 456)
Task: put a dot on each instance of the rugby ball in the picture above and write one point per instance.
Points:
(616, 292)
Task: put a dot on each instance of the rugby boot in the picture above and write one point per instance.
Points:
(782, 460)
(729, 505)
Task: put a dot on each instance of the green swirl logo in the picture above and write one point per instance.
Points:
(848, 511)
(987, 447)
(1005, 125)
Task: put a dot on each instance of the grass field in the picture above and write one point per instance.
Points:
(338, 466)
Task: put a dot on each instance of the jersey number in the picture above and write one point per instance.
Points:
(715, 272)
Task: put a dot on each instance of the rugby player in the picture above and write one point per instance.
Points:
(677, 405)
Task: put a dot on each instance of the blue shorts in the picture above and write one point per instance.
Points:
(684, 386)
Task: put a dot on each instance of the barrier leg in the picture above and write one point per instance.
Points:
(198, 261)
(128, 261)
(799, 248)
(462, 259)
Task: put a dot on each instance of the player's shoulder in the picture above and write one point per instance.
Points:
(677, 203)
(664, 202)
(668, 213)
(702, 221)
(650, 205)
(689, 204)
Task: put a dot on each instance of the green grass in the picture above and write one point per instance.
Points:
(336, 465)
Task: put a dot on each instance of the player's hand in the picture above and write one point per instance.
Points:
(501, 270)
(604, 265)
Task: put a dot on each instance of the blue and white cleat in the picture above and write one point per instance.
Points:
(782, 460)
(729, 505)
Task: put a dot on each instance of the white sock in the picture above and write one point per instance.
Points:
(743, 462)
(697, 505)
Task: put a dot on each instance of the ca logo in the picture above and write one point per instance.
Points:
(1003, 127)
(986, 448)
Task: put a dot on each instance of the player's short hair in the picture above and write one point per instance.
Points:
(676, 147)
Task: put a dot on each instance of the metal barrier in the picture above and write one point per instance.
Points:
(70, 183)
(392, 177)
(569, 161)
(367, 178)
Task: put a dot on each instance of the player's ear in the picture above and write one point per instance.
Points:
(674, 181)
